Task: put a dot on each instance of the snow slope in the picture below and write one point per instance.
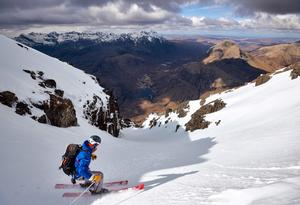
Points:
(77, 86)
(252, 157)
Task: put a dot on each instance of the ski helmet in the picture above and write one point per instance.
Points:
(94, 140)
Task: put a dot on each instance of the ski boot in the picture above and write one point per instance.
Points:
(86, 184)
(102, 191)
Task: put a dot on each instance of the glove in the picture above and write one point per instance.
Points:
(94, 156)
(95, 178)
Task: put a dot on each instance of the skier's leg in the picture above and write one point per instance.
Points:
(98, 186)
(85, 183)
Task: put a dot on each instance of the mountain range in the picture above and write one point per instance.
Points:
(148, 72)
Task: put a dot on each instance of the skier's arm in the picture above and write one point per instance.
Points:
(84, 168)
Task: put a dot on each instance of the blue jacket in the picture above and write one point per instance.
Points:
(82, 162)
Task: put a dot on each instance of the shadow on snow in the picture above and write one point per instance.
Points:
(157, 149)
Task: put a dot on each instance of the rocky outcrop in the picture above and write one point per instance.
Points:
(49, 83)
(212, 107)
(182, 109)
(278, 56)
(198, 118)
(197, 122)
(8, 98)
(296, 70)
(262, 79)
(59, 92)
(105, 119)
(61, 112)
(22, 108)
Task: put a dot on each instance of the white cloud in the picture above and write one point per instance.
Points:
(270, 21)
(129, 15)
(221, 22)
(260, 21)
(113, 13)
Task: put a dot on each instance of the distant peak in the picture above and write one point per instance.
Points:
(54, 38)
(223, 50)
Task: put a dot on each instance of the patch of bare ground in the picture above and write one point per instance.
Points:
(160, 107)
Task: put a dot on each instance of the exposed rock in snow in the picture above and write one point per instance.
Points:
(8, 98)
(61, 112)
(198, 118)
(262, 79)
(22, 108)
(108, 120)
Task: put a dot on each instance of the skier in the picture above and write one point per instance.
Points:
(82, 163)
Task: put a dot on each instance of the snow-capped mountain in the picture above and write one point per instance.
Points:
(50, 91)
(248, 153)
(55, 38)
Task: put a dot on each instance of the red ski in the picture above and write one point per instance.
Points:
(76, 194)
(107, 184)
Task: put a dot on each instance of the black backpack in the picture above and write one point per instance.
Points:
(68, 159)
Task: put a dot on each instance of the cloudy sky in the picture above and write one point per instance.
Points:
(257, 18)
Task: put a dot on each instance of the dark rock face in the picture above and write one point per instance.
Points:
(262, 79)
(59, 93)
(296, 71)
(8, 98)
(61, 112)
(198, 118)
(22, 108)
(50, 83)
(107, 120)
(40, 105)
(42, 119)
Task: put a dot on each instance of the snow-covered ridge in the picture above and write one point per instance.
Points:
(54, 38)
(284, 78)
(40, 82)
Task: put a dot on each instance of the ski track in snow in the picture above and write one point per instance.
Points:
(251, 158)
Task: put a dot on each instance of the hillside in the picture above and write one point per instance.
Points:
(267, 58)
(248, 154)
(278, 56)
(223, 50)
(52, 92)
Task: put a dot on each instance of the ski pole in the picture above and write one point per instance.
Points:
(72, 202)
